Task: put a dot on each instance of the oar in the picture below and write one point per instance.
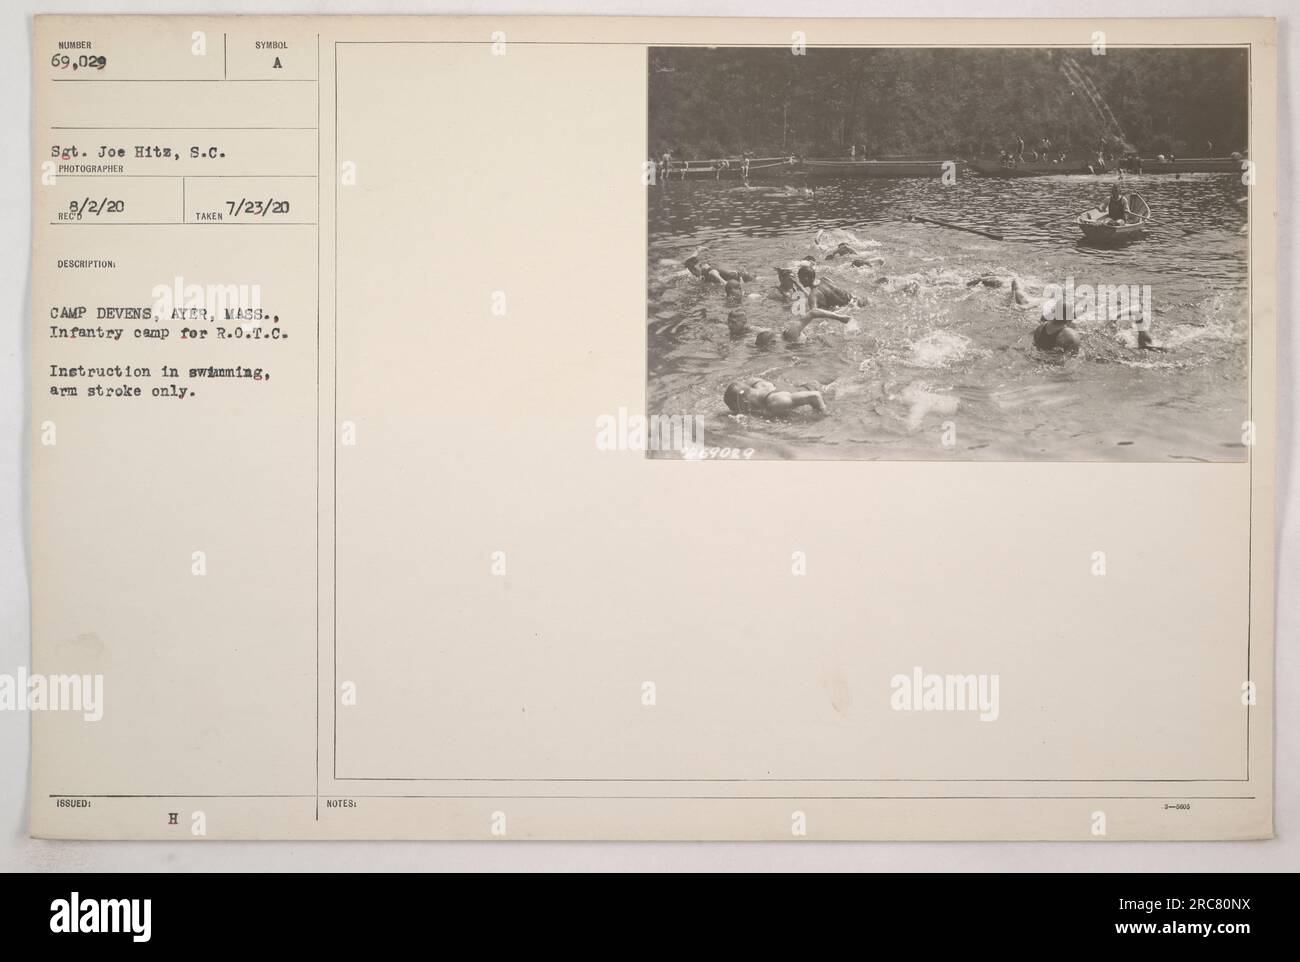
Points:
(1160, 223)
(1056, 220)
(969, 230)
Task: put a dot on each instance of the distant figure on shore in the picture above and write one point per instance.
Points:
(665, 165)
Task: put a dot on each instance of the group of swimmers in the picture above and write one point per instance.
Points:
(812, 297)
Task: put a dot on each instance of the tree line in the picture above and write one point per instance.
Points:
(726, 102)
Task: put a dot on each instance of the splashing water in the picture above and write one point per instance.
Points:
(939, 349)
(940, 338)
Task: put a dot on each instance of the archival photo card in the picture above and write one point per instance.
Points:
(372, 356)
(989, 253)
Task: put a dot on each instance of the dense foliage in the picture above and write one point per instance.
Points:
(943, 102)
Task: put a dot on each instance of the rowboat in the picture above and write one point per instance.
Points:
(1098, 228)
(824, 169)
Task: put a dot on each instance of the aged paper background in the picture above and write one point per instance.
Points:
(479, 694)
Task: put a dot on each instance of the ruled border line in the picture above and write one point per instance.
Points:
(1249, 460)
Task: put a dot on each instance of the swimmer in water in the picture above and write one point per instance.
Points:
(1136, 316)
(738, 324)
(819, 297)
(810, 300)
(817, 293)
(738, 327)
(792, 333)
(843, 250)
(1018, 295)
(1055, 334)
(705, 271)
(821, 292)
(757, 396)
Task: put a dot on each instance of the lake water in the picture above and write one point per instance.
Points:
(935, 360)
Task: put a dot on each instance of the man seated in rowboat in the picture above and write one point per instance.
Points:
(1117, 209)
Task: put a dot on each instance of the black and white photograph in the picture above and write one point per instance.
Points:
(935, 254)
